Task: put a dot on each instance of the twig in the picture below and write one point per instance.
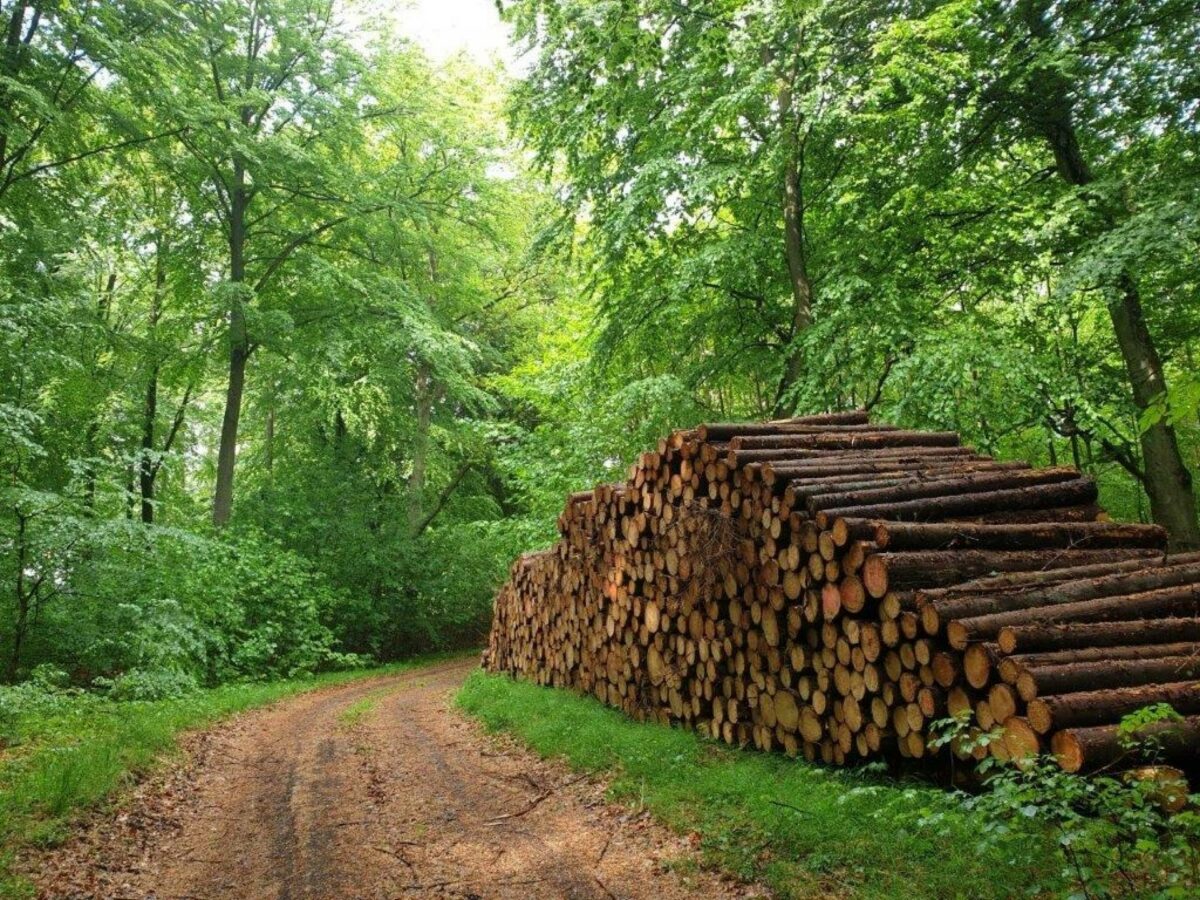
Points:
(604, 849)
(536, 801)
(788, 806)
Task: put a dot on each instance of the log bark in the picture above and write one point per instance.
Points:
(1102, 746)
(1106, 707)
(940, 485)
(740, 456)
(1174, 601)
(1096, 636)
(863, 440)
(1042, 496)
(1083, 512)
(934, 568)
(776, 470)
(725, 431)
(1122, 583)
(1037, 536)
(1009, 580)
(1111, 672)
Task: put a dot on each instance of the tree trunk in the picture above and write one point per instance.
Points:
(239, 351)
(1042, 497)
(12, 64)
(22, 596)
(146, 468)
(416, 481)
(1102, 745)
(146, 464)
(269, 449)
(1166, 479)
(1181, 602)
(1105, 707)
(1032, 639)
(794, 250)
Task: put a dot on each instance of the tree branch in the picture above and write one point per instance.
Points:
(442, 499)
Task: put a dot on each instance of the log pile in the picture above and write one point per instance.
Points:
(831, 586)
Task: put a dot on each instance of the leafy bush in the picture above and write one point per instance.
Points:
(152, 684)
(150, 613)
(1117, 836)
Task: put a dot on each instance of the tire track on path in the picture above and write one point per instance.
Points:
(375, 789)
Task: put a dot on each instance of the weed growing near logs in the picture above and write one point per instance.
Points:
(1117, 836)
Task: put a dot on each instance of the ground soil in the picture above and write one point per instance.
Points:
(375, 789)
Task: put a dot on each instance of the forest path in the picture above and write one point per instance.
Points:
(375, 789)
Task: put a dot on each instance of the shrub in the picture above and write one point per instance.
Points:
(1117, 836)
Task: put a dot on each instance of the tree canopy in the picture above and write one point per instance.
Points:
(306, 336)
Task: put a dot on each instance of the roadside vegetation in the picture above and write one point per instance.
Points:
(809, 831)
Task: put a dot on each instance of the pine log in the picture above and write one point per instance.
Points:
(1023, 661)
(1101, 746)
(789, 457)
(933, 568)
(727, 431)
(803, 488)
(1070, 677)
(929, 600)
(1151, 577)
(1038, 536)
(1104, 707)
(1042, 496)
(833, 440)
(936, 487)
(1050, 637)
(1084, 512)
(1174, 601)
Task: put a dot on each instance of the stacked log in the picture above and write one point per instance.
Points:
(831, 586)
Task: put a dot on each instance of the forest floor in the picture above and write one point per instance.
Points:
(378, 788)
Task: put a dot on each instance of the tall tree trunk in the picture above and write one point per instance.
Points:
(794, 249)
(22, 596)
(239, 351)
(416, 481)
(146, 463)
(146, 468)
(12, 65)
(269, 449)
(1167, 480)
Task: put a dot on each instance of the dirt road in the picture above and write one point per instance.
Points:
(377, 789)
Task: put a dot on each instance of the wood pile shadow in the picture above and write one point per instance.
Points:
(829, 586)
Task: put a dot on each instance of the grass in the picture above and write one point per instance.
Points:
(353, 714)
(78, 754)
(804, 830)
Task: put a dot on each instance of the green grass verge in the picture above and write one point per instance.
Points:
(74, 758)
(804, 830)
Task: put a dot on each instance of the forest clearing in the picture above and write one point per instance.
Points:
(757, 437)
